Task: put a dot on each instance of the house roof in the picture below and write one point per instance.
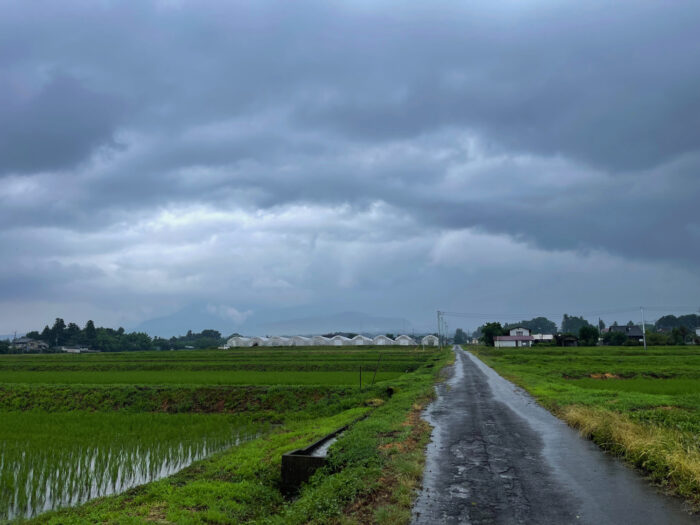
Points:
(631, 331)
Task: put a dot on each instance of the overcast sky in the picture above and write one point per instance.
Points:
(386, 157)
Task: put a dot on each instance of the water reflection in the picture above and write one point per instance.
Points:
(37, 480)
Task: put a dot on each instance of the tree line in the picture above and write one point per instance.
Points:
(111, 340)
(667, 330)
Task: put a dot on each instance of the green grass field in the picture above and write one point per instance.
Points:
(199, 377)
(643, 405)
(75, 427)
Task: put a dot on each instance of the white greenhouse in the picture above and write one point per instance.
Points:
(339, 340)
(382, 340)
(430, 340)
(279, 341)
(405, 340)
(299, 340)
(319, 340)
(361, 340)
(238, 341)
(259, 341)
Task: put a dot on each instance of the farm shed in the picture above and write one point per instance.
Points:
(383, 340)
(361, 340)
(430, 340)
(512, 341)
(405, 340)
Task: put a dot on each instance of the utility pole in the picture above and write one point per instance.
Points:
(644, 328)
(438, 327)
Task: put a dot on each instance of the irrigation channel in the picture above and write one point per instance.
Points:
(43, 475)
(497, 456)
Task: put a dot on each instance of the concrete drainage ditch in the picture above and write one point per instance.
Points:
(299, 465)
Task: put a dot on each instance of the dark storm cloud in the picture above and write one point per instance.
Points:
(56, 128)
(134, 130)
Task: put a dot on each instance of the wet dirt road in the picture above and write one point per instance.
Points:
(497, 457)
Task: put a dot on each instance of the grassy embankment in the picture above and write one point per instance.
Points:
(374, 466)
(641, 405)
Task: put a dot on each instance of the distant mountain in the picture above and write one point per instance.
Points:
(198, 317)
(195, 317)
(341, 322)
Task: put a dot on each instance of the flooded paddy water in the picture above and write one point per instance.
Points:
(52, 460)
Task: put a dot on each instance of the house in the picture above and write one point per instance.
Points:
(405, 340)
(518, 337)
(633, 333)
(430, 340)
(361, 340)
(383, 340)
(25, 344)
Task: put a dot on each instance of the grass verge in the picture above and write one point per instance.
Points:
(671, 458)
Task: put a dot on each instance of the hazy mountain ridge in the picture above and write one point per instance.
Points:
(198, 317)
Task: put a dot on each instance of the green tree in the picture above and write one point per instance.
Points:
(460, 337)
(90, 334)
(538, 325)
(571, 324)
(615, 338)
(588, 336)
(58, 336)
(489, 331)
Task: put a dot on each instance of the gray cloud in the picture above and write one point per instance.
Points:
(56, 128)
(146, 146)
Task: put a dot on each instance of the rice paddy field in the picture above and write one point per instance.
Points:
(194, 436)
(643, 405)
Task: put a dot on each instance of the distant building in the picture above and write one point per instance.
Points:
(25, 344)
(405, 340)
(633, 333)
(383, 340)
(340, 340)
(567, 340)
(430, 340)
(75, 350)
(519, 337)
(697, 332)
(238, 341)
(543, 338)
(361, 340)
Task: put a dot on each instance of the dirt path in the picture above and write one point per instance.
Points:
(498, 457)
